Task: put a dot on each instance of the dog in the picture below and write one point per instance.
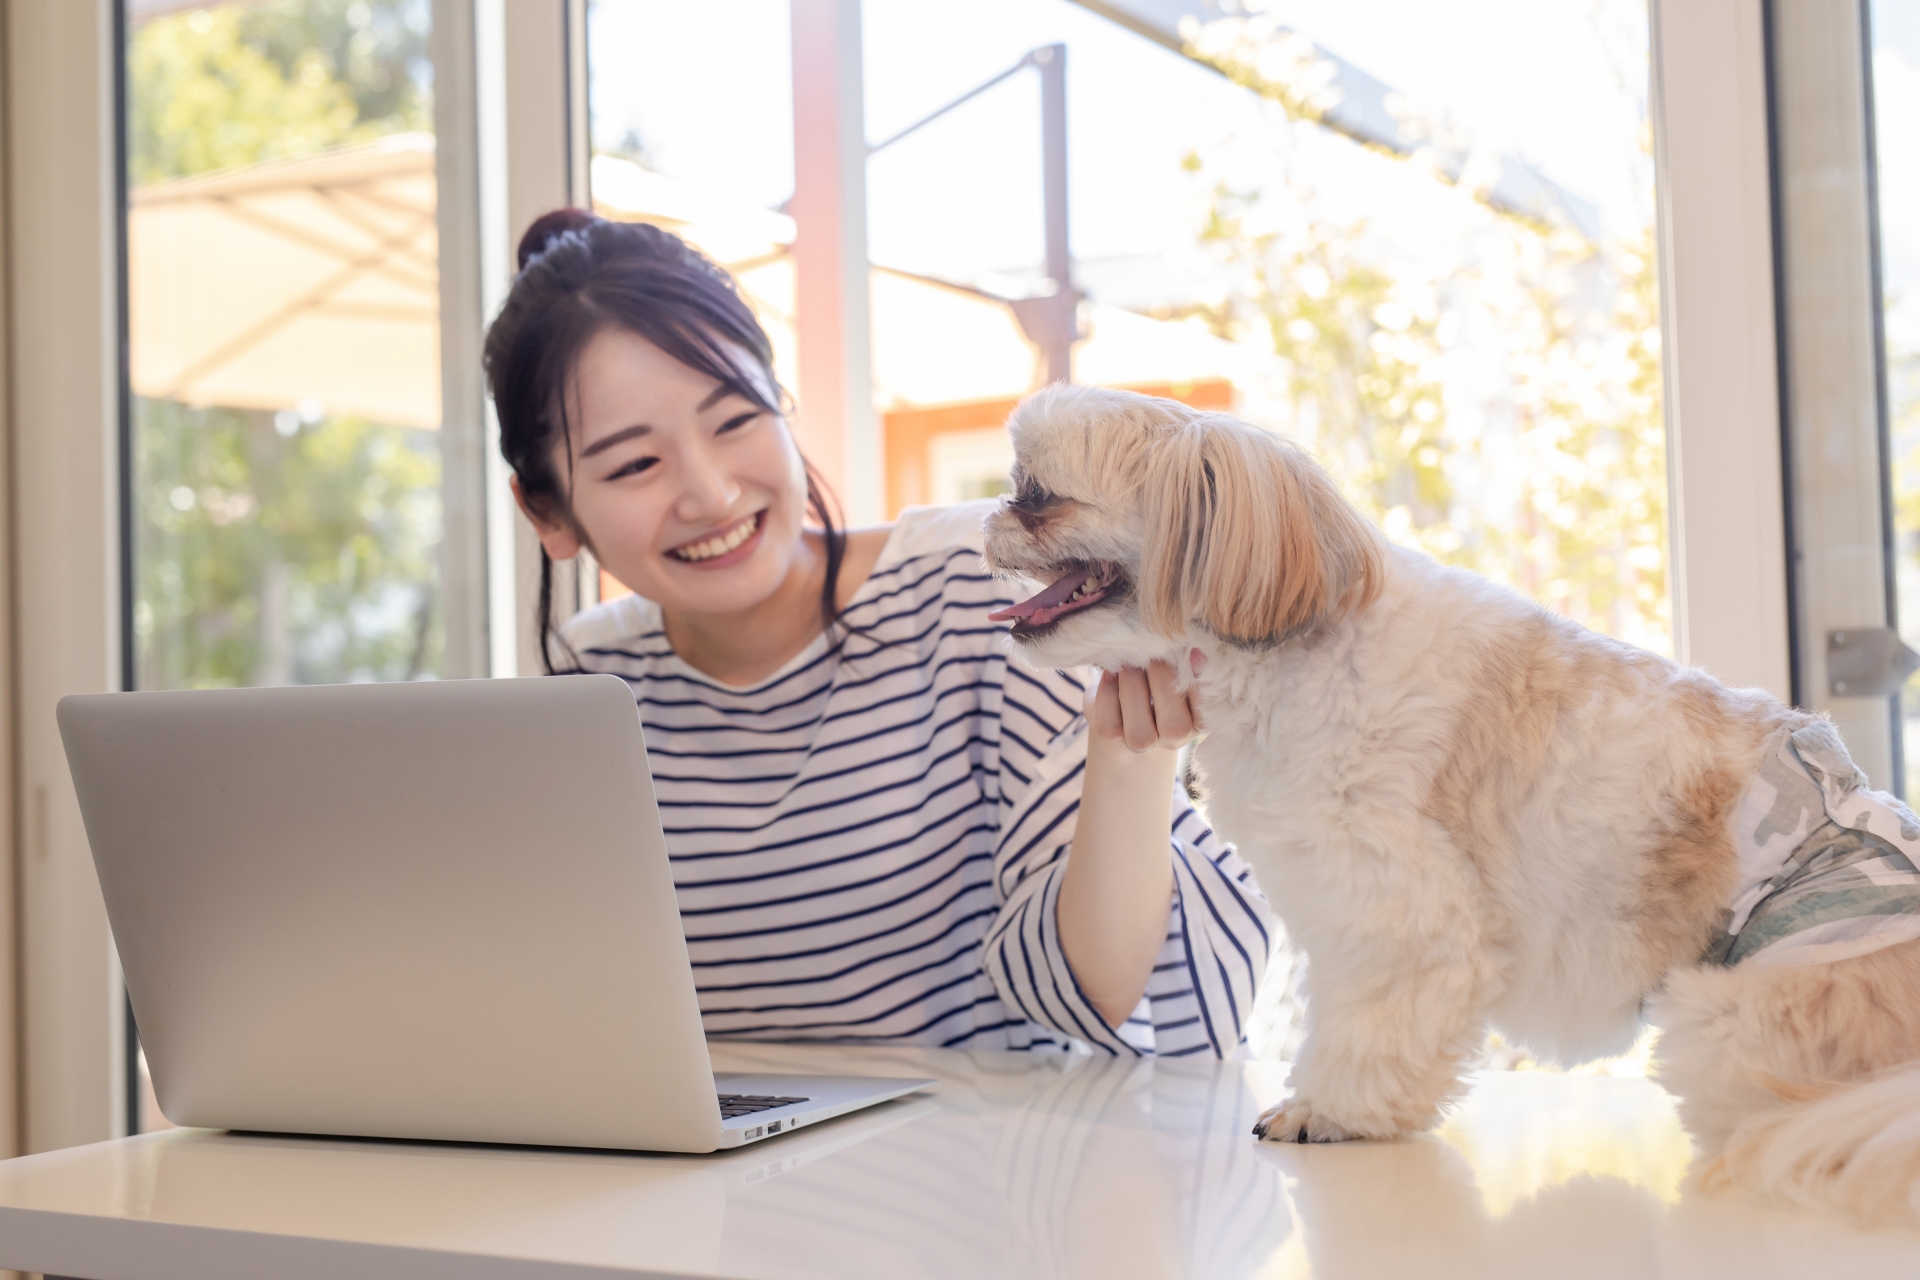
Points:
(1472, 813)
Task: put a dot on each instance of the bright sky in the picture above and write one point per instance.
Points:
(706, 89)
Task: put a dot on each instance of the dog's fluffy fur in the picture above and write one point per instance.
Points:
(1469, 811)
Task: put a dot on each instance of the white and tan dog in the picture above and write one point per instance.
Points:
(1469, 811)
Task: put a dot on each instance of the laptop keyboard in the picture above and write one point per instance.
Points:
(745, 1104)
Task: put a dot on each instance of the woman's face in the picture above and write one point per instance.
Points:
(690, 494)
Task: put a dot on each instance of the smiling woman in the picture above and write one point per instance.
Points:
(880, 829)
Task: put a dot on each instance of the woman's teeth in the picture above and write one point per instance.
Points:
(718, 546)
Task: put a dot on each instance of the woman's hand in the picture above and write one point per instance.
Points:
(1118, 884)
(1141, 708)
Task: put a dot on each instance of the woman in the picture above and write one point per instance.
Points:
(869, 811)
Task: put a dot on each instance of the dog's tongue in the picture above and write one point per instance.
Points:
(1056, 594)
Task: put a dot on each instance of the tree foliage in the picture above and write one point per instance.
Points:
(268, 558)
(236, 84)
(288, 547)
(1555, 482)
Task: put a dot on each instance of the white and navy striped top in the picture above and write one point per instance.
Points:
(868, 844)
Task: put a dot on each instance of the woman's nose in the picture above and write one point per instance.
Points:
(706, 491)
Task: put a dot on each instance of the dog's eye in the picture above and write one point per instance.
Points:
(1027, 494)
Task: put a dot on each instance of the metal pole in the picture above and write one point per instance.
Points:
(1057, 344)
(1051, 321)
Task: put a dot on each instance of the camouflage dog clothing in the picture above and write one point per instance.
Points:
(1828, 868)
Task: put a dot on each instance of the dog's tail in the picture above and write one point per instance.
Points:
(1853, 1148)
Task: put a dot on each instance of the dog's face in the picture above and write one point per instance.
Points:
(1154, 526)
(1066, 529)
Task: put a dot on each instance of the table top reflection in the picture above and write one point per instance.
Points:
(1016, 1166)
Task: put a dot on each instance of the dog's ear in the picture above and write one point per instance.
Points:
(1247, 536)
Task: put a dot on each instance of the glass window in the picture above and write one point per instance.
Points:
(691, 118)
(284, 355)
(1896, 128)
(1422, 244)
(284, 343)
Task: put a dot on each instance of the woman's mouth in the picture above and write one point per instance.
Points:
(1080, 587)
(726, 546)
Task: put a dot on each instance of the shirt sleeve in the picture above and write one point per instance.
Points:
(1218, 929)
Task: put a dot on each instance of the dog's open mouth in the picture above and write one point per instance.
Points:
(1080, 587)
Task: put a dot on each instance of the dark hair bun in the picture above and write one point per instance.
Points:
(549, 227)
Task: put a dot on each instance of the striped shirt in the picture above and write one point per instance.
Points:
(868, 844)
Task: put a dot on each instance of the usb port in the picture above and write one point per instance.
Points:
(774, 1127)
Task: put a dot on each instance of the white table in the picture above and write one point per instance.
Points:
(1016, 1167)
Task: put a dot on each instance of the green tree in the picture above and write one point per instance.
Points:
(237, 84)
(268, 558)
(1590, 535)
(279, 548)
(1359, 348)
(1583, 529)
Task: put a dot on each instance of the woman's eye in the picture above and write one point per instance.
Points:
(634, 468)
(738, 420)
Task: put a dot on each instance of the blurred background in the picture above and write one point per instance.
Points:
(1422, 245)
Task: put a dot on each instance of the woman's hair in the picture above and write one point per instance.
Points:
(581, 274)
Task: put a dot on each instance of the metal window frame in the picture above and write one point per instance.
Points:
(1725, 461)
(531, 91)
(1832, 356)
(63, 325)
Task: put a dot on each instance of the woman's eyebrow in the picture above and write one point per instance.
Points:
(608, 441)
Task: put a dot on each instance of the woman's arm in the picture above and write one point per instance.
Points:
(1118, 883)
(1209, 944)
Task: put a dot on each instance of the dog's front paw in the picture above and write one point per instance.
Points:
(1295, 1121)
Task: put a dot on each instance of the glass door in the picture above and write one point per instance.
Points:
(1894, 69)
(283, 514)
(1842, 83)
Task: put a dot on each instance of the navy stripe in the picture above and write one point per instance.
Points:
(837, 974)
(838, 802)
(840, 1001)
(762, 904)
(861, 824)
(809, 779)
(816, 922)
(844, 944)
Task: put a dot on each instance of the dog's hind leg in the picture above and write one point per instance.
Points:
(1396, 987)
(1802, 1082)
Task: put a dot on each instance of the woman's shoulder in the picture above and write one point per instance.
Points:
(934, 552)
(616, 624)
(935, 531)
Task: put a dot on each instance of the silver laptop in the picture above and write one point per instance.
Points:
(434, 910)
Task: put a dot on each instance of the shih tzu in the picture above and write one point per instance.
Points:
(1472, 813)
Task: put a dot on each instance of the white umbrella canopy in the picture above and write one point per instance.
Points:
(308, 284)
(313, 284)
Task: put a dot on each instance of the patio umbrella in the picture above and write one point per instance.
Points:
(309, 284)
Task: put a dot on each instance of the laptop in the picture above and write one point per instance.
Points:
(437, 910)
